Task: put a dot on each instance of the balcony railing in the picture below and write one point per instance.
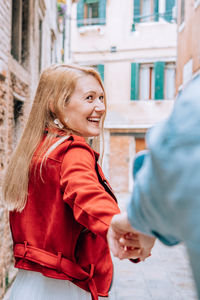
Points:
(167, 15)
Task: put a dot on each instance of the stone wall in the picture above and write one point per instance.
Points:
(18, 81)
(6, 269)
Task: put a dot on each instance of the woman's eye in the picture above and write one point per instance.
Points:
(101, 98)
(89, 97)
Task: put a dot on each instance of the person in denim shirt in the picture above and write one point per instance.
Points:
(165, 201)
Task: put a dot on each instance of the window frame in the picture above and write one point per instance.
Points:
(154, 69)
(20, 32)
(152, 16)
(151, 81)
(88, 11)
(82, 13)
(182, 12)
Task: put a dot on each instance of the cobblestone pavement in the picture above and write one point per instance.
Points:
(165, 275)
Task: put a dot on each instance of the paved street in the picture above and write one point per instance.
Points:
(163, 276)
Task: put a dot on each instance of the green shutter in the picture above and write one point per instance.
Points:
(159, 69)
(80, 13)
(156, 10)
(168, 12)
(136, 4)
(100, 69)
(102, 12)
(135, 67)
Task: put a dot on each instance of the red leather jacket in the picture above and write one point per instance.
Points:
(62, 230)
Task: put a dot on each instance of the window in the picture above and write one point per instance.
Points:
(146, 75)
(19, 39)
(91, 12)
(40, 45)
(145, 10)
(169, 87)
(148, 11)
(182, 11)
(152, 81)
(18, 120)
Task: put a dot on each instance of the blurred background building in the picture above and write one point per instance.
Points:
(143, 57)
(133, 44)
(188, 58)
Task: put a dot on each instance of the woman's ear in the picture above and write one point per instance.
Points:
(51, 106)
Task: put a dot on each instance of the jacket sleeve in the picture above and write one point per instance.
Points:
(92, 206)
(165, 200)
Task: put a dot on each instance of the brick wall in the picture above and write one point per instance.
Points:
(6, 269)
(123, 148)
(17, 87)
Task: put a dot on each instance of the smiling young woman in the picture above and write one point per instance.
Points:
(60, 202)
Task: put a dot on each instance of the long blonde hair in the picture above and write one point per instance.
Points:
(55, 87)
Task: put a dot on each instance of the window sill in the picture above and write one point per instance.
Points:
(100, 29)
(135, 26)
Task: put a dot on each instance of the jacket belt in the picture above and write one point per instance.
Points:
(59, 263)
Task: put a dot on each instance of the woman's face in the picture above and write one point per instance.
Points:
(86, 107)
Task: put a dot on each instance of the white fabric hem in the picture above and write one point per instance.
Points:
(34, 286)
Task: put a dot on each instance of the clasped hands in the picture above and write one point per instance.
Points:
(125, 242)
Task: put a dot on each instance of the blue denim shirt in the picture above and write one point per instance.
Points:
(166, 198)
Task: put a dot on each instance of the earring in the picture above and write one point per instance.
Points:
(58, 123)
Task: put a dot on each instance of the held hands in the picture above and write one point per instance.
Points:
(126, 242)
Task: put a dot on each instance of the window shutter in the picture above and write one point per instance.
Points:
(136, 18)
(80, 13)
(102, 12)
(156, 10)
(100, 69)
(168, 12)
(135, 67)
(159, 68)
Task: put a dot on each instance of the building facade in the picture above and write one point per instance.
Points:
(188, 53)
(132, 44)
(31, 39)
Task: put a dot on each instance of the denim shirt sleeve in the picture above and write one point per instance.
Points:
(165, 200)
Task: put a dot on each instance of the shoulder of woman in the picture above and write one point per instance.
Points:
(79, 143)
(78, 156)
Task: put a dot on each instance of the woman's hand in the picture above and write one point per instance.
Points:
(123, 247)
(126, 242)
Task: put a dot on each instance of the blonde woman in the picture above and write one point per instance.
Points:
(61, 204)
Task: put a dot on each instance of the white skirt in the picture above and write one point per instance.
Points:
(34, 286)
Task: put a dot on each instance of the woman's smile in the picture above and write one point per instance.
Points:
(85, 109)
